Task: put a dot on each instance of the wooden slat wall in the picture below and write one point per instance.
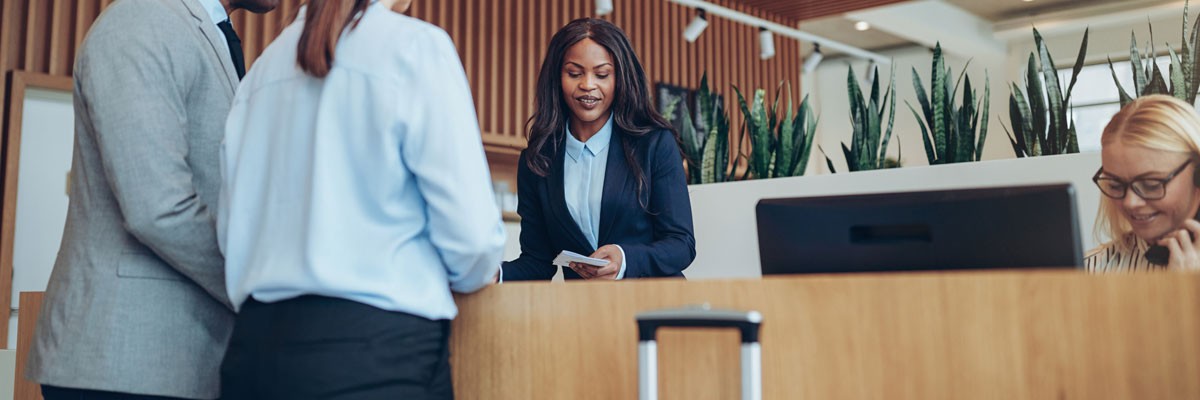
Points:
(501, 43)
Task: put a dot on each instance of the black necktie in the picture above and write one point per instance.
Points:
(235, 47)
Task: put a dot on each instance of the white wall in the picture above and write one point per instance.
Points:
(831, 100)
(8, 371)
(47, 138)
(1104, 41)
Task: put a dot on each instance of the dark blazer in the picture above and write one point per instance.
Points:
(657, 240)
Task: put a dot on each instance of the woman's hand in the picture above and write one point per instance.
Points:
(1184, 245)
(608, 252)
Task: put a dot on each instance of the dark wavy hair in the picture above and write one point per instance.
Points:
(632, 110)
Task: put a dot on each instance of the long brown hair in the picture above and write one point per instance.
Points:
(323, 25)
(632, 109)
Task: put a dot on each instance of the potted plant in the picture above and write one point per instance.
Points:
(870, 137)
(779, 147)
(1148, 78)
(706, 141)
(949, 132)
(1040, 116)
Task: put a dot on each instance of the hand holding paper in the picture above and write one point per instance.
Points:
(566, 257)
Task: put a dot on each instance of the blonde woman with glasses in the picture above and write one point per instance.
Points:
(1150, 152)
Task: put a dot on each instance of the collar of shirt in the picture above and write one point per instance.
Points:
(595, 144)
(216, 11)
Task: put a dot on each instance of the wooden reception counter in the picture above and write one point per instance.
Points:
(964, 335)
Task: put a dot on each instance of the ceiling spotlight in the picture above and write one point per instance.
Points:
(861, 26)
(694, 29)
(766, 44)
(604, 7)
(814, 59)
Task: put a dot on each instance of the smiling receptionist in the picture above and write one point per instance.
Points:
(603, 172)
(1149, 156)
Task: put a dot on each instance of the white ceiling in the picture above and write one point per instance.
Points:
(1000, 13)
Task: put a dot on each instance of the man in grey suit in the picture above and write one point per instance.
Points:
(136, 307)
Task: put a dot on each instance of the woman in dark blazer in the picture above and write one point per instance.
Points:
(603, 172)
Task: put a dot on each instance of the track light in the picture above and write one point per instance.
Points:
(604, 7)
(694, 29)
(766, 44)
(814, 59)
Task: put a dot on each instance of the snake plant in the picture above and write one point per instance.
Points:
(779, 147)
(1040, 116)
(869, 138)
(949, 132)
(1148, 78)
(705, 142)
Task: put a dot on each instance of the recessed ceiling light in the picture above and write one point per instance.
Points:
(1027, 1)
(862, 26)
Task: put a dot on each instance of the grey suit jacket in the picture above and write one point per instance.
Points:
(136, 302)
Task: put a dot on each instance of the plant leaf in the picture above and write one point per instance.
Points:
(1078, 63)
(983, 128)
(851, 160)
(1125, 97)
(939, 124)
(925, 137)
(1135, 61)
(828, 162)
(1017, 151)
(1037, 106)
(1178, 85)
(1054, 98)
(810, 131)
(891, 94)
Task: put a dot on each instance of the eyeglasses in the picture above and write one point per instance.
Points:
(1146, 188)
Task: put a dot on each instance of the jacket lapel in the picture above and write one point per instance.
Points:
(216, 41)
(558, 200)
(616, 179)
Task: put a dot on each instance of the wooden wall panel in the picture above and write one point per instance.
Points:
(31, 305)
(501, 42)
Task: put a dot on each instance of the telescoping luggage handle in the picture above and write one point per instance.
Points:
(748, 322)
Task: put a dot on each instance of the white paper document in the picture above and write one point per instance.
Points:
(567, 257)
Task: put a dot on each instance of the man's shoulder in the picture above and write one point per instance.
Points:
(135, 18)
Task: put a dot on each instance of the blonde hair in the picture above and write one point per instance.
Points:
(1157, 122)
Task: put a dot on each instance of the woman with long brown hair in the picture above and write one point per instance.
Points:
(356, 197)
(603, 173)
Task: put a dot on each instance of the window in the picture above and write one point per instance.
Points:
(1095, 100)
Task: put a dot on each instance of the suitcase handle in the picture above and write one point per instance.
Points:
(747, 322)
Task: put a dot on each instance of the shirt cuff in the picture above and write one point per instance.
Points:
(621, 274)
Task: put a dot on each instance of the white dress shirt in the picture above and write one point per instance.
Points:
(217, 13)
(369, 185)
(583, 182)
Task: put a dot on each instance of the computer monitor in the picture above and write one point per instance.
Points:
(1004, 227)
